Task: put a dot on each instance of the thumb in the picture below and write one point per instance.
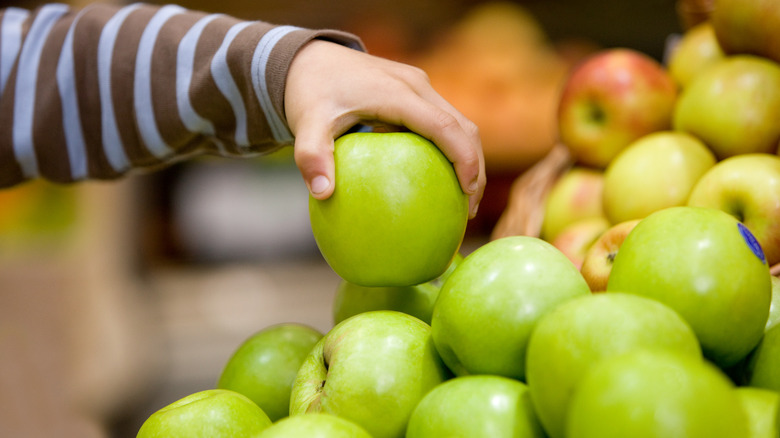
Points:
(313, 152)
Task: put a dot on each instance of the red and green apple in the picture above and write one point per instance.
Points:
(611, 99)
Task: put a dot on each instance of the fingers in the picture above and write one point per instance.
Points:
(457, 137)
(313, 152)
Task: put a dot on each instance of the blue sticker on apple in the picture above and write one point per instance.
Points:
(750, 239)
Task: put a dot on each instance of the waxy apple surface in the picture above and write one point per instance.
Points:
(417, 300)
(212, 413)
(581, 332)
(372, 369)
(654, 172)
(747, 187)
(733, 107)
(264, 366)
(397, 215)
(488, 307)
(762, 407)
(476, 406)
(655, 394)
(748, 26)
(763, 367)
(706, 265)
(315, 425)
(697, 50)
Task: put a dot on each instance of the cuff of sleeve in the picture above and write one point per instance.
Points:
(271, 62)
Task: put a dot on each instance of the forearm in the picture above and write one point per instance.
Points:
(98, 92)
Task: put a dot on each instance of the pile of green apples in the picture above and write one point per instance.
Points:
(673, 332)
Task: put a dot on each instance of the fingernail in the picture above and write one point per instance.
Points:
(474, 210)
(319, 184)
(473, 186)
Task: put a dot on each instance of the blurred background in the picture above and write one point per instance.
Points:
(117, 298)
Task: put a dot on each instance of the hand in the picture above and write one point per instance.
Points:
(331, 88)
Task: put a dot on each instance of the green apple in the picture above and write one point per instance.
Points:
(575, 240)
(416, 300)
(697, 49)
(774, 306)
(597, 263)
(264, 366)
(372, 369)
(656, 171)
(655, 394)
(748, 26)
(575, 196)
(314, 425)
(611, 99)
(762, 407)
(476, 406)
(579, 333)
(352, 299)
(397, 216)
(212, 413)
(733, 107)
(747, 187)
(488, 307)
(763, 366)
(707, 266)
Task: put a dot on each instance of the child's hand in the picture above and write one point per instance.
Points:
(331, 88)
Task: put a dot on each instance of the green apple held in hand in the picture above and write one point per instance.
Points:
(575, 196)
(488, 307)
(748, 188)
(397, 216)
(748, 26)
(654, 172)
(372, 369)
(417, 300)
(733, 107)
(213, 413)
(264, 366)
(578, 334)
(762, 407)
(707, 266)
(697, 50)
(315, 425)
(763, 367)
(476, 406)
(655, 394)
(612, 99)
(598, 261)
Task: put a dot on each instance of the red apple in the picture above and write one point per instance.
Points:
(597, 263)
(613, 98)
(576, 195)
(576, 239)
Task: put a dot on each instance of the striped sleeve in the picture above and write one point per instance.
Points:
(97, 92)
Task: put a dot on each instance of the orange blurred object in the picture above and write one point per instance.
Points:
(498, 68)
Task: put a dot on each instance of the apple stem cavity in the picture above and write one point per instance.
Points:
(596, 113)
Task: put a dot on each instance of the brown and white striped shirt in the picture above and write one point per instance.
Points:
(96, 92)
